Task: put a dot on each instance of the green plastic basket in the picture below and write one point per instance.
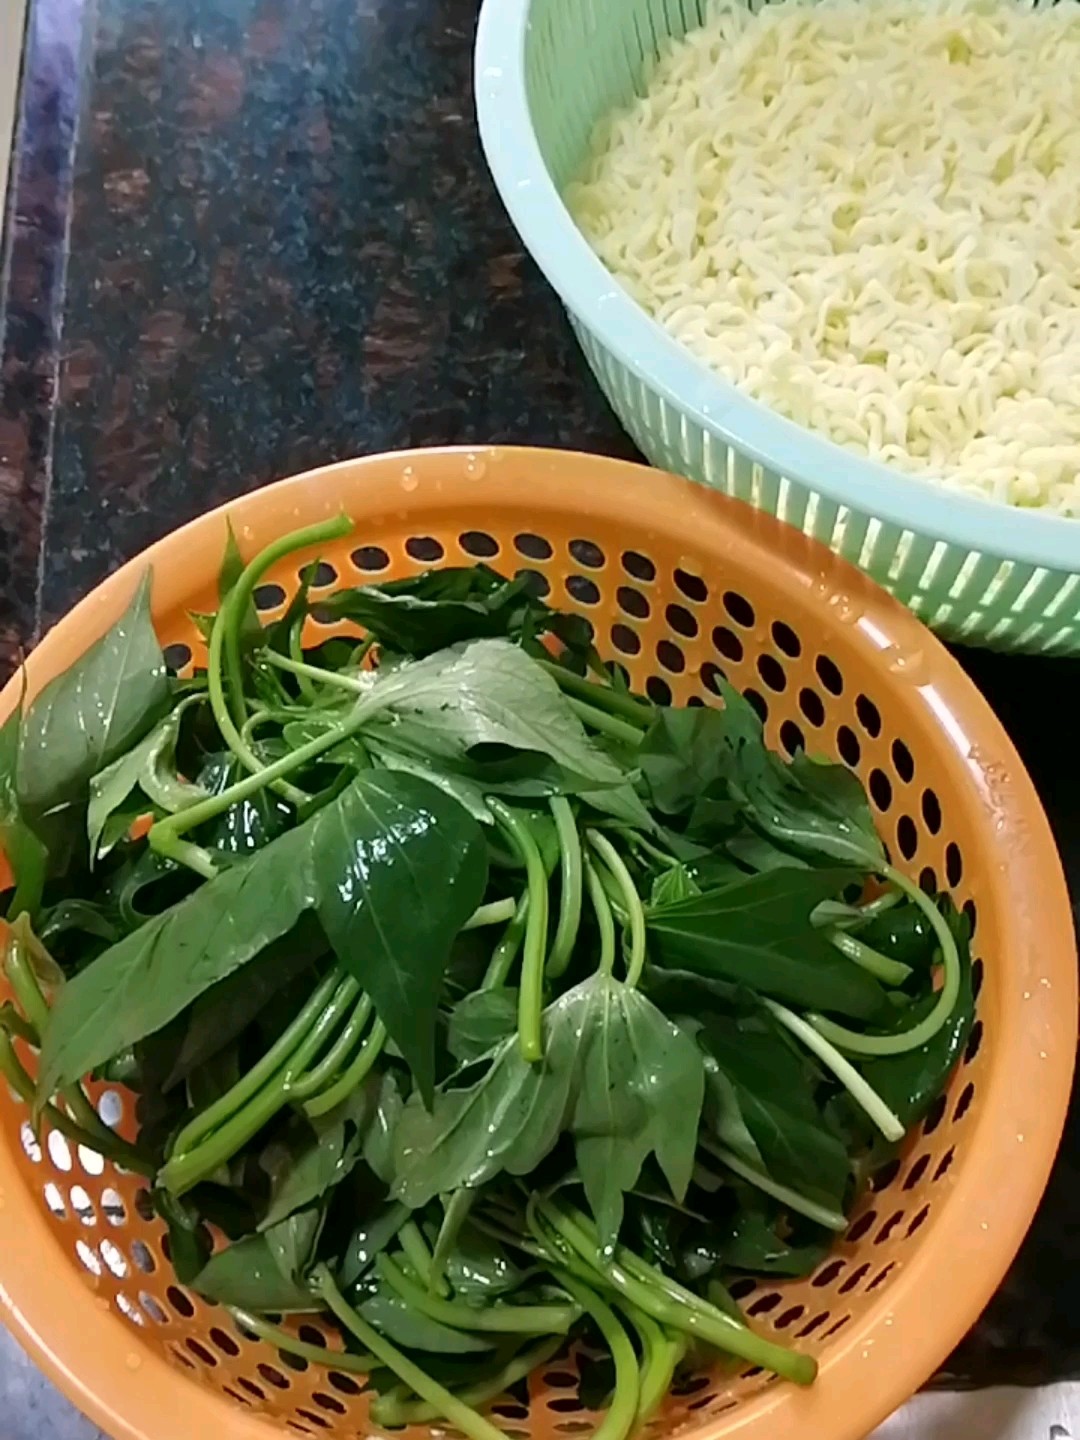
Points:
(546, 70)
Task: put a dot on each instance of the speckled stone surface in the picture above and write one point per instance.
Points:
(250, 236)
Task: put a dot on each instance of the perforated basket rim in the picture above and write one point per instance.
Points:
(883, 1356)
(644, 347)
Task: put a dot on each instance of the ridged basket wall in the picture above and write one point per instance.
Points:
(546, 71)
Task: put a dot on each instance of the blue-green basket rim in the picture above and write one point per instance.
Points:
(644, 347)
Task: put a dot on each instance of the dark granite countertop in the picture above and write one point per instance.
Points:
(246, 237)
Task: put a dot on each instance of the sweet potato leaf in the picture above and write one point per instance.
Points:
(248, 1275)
(438, 608)
(760, 1089)
(151, 766)
(617, 1076)
(757, 933)
(392, 868)
(94, 711)
(481, 1021)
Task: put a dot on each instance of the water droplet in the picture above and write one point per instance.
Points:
(409, 478)
(134, 1360)
(1019, 1139)
(475, 468)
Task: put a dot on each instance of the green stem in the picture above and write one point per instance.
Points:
(635, 960)
(305, 671)
(864, 1095)
(296, 653)
(240, 596)
(368, 1054)
(639, 712)
(114, 1149)
(570, 886)
(820, 1214)
(412, 1242)
(321, 1074)
(669, 1303)
(446, 1405)
(185, 1170)
(623, 1412)
(262, 1072)
(609, 725)
(859, 1044)
(486, 1319)
(217, 669)
(660, 1354)
(531, 995)
(889, 972)
(390, 1411)
(455, 1213)
(283, 1340)
(837, 912)
(604, 919)
(506, 951)
(162, 836)
(16, 1026)
(493, 913)
(19, 967)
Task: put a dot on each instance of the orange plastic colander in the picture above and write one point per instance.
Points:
(681, 585)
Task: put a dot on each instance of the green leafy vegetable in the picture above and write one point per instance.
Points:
(93, 713)
(758, 933)
(475, 1001)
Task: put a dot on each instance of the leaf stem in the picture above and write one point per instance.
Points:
(889, 972)
(368, 1054)
(635, 960)
(389, 1411)
(820, 1214)
(638, 712)
(660, 1353)
(455, 1213)
(283, 1340)
(19, 968)
(217, 680)
(623, 1412)
(609, 725)
(322, 1073)
(303, 670)
(570, 886)
(864, 1095)
(239, 597)
(531, 997)
(604, 919)
(495, 912)
(505, 952)
(672, 1305)
(446, 1405)
(163, 835)
(184, 1170)
(412, 1242)
(260, 1073)
(483, 1319)
(860, 1044)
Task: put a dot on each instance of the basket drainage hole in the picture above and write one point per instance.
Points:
(533, 547)
(83, 1205)
(59, 1150)
(268, 596)
(112, 1205)
(55, 1201)
(31, 1148)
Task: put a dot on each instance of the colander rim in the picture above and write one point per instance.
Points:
(597, 299)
